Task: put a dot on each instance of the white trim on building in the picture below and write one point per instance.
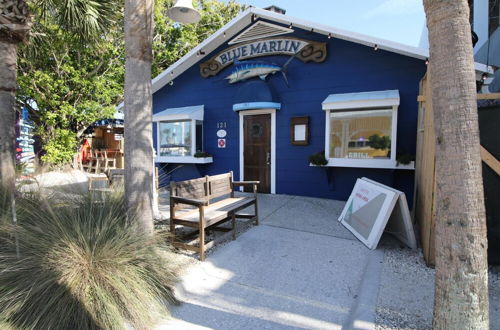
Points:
(273, 143)
(244, 19)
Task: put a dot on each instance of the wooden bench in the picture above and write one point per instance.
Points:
(207, 202)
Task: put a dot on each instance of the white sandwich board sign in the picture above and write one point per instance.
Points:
(373, 207)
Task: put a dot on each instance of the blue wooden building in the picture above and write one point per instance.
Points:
(293, 89)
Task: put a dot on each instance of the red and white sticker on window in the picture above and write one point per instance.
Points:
(221, 143)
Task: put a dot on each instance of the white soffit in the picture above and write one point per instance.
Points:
(259, 30)
(374, 99)
(185, 113)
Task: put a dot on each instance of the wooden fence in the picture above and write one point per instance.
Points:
(425, 184)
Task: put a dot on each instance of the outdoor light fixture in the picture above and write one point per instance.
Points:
(183, 12)
(329, 36)
(375, 47)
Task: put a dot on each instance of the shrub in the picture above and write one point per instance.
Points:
(60, 146)
(202, 154)
(82, 265)
(318, 159)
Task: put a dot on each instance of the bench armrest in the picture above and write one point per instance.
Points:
(242, 183)
(189, 201)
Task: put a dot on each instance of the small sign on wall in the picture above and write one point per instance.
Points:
(221, 133)
(299, 131)
(221, 143)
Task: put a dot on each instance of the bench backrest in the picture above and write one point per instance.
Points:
(195, 188)
(206, 188)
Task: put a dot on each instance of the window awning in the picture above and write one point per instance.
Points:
(375, 99)
(194, 112)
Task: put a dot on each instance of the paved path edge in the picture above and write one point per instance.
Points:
(363, 311)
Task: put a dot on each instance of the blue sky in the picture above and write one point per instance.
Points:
(396, 20)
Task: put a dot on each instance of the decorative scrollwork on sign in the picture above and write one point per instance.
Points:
(210, 68)
(304, 50)
(315, 52)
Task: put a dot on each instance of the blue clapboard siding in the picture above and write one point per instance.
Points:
(349, 67)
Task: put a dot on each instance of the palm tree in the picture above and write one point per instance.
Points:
(461, 289)
(15, 24)
(86, 18)
(138, 111)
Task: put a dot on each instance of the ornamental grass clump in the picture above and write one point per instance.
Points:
(82, 265)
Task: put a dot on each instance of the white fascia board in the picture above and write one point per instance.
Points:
(344, 34)
(235, 26)
(207, 46)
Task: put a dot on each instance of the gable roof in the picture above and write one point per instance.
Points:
(245, 18)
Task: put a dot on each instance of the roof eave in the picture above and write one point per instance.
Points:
(245, 18)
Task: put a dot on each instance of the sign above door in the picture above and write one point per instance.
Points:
(304, 50)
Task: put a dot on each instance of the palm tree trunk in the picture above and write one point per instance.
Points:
(461, 289)
(8, 67)
(138, 111)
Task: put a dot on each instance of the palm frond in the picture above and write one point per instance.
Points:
(88, 19)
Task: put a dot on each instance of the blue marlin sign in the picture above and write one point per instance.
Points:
(304, 50)
(244, 70)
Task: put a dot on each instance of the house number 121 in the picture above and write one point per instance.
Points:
(221, 124)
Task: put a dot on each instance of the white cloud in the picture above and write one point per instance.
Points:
(395, 7)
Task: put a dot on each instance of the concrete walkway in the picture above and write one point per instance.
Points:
(299, 269)
(302, 269)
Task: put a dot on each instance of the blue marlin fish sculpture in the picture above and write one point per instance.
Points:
(248, 69)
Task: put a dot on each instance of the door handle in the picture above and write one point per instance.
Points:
(268, 158)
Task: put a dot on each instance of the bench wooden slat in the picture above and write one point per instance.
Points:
(218, 210)
(201, 217)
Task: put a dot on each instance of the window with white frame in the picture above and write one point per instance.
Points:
(361, 129)
(179, 134)
(176, 137)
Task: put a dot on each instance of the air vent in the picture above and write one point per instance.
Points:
(260, 30)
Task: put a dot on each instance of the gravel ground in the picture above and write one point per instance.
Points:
(406, 295)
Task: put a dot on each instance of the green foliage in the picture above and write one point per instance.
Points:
(405, 159)
(72, 84)
(202, 154)
(82, 265)
(61, 146)
(379, 142)
(318, 159)
(173, 40)
(75, 79)
(85, 19)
